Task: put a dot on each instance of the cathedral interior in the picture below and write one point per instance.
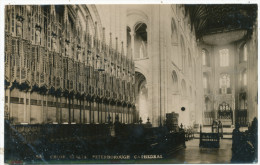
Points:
(109, 70)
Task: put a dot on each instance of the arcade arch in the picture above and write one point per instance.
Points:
(141, 95)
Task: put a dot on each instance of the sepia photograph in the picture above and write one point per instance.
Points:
(130, 83)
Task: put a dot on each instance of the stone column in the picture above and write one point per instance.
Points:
(132, 33)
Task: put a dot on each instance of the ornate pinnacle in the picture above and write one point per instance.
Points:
(110, 40)
(65, 14)
(96, 30)
(104, 36)
(116, 44)
(122, 48)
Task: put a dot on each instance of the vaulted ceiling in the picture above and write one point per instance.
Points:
(210, 19)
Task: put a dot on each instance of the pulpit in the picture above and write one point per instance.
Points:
(172, 121)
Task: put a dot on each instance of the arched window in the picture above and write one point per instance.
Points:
(224, 57)
(243, 53)
(205, 58)
(142, 50)
(224, 82)
(140, 41)
(173, 32)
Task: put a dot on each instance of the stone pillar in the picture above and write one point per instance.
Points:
(132, 33)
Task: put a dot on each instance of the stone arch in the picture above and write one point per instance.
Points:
(138, 16)
(140, 40)
(92, 13)
(142, 69)
(141, 92)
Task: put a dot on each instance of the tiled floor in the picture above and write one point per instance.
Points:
(194, 154)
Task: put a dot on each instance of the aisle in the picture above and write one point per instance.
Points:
(193, 154)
